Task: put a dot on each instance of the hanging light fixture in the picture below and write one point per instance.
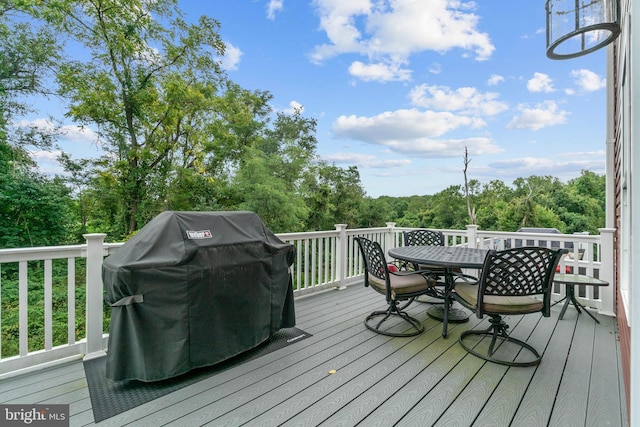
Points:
(578, 27)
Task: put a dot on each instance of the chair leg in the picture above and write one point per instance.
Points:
(393, 310)
(497, 330)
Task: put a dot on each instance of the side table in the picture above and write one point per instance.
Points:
(570, 281)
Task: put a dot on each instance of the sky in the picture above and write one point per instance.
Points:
(400, 88)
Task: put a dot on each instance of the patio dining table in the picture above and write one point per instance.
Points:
(448, 258)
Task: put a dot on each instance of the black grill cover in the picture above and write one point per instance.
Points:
(191, 289)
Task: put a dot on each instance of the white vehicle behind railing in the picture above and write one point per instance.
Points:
(324, 260)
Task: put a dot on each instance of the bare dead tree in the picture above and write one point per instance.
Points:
(470, 210)
(527, 206)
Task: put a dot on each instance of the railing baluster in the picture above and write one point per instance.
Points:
(0, 309)
(314, 262)
(299, 265)
(48, 304)
(306, 263)
(23, 300)
(334, 262)
(71, 300)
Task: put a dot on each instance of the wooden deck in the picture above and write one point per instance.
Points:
(379, 381)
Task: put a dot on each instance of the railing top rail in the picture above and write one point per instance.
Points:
(41, 253)
(367, 230)
(444, 230)
(306, 235)
(541, 236)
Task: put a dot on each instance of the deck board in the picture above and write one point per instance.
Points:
(537, 402)
(604, 391)
(575, 383)
(379, 380)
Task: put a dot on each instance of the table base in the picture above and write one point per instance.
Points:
(456, 315)
(571, 299)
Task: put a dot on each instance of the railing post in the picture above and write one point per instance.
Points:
(472, 236)
(607, 294)
(390, 238)
(342, 251)
(95, 255)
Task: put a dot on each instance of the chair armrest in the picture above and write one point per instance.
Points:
(426, 274)
(465, 277)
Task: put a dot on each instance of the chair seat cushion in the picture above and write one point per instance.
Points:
(401, 283)
(498, 304)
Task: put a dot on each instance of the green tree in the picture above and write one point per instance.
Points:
(28, 55)
(270, 177)
(585, 202)
(533, 198)
(375, 212)
(33, 208)
(493, 199)
(148, 87)
(447, 209)
(269, 195)
(591, 185)
(334, 196)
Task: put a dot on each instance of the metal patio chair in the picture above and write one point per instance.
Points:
(424, 237)
(396, 286)
(512, 281)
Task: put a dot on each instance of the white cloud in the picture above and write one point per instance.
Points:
(72, 133)
(45, 156)
(47, 161)
(465, 100)
(273, 7)
(399, 124)
(231, 58)
(540, 82)
(541, 116)
(379, 72)
(441, 148)
(495, 79)
(414, 133)
(294, 108)
(436, 68)
(546, 166)
(41, 125)
(365, 160)
(337, 19)
(588, 80)
(78, 133)
(390, 32)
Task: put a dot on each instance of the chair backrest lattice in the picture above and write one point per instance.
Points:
(375, 262)
(519, 272)
(423, 238)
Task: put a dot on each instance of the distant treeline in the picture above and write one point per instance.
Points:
(536, 201)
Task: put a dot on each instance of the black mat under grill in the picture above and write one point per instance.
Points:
(109, 398)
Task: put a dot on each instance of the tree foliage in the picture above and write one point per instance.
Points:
(34, 210)
(535, 201)
(147, 87)
(28, 54)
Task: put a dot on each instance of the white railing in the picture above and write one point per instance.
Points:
(324, 260)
